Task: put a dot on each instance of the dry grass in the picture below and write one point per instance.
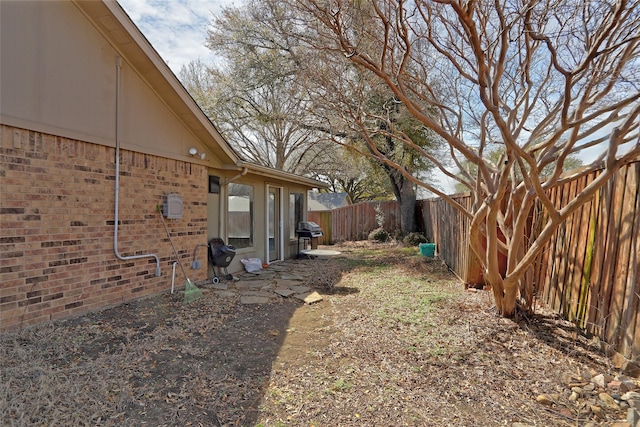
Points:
(397, 341)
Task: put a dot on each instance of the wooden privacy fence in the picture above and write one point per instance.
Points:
(444, 225)
(355, 222)
(323, 219)
(440, 223)
(589, 271)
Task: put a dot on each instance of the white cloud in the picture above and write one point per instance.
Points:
(177, 29)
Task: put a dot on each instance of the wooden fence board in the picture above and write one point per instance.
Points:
(565, 261)
(542, 272)
(628, 325)
(323, 219)
(568, 194)
(539, 263)
(549, 294)
(589, 232)
(595, 318)
(553, 248)
(576, 260)
(574, 275)
(558, 247)
(620, 265)
(634, 345)
(610, 322)
(608, 248)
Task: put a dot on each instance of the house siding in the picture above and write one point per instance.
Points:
(76, 76)
(57, 225)
(59, 77)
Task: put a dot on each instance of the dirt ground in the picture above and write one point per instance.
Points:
(396, 341)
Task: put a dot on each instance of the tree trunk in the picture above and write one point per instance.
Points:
(505, 293)
(509, 300)
(405, 193)
(505, 290)
(408, 208)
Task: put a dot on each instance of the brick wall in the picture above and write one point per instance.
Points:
(56, 226)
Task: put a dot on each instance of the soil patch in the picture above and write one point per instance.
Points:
(396, 340)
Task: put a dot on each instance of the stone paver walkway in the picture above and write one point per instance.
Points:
(281, 280)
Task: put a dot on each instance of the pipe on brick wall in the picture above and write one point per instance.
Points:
(117, 180)
(173, 275)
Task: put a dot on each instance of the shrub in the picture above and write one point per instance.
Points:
(414, 239)
(399, 235)
(379, 235)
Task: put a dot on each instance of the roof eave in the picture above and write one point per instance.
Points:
(111, 19)
(282, 175)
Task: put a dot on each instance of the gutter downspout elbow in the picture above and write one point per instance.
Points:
(117, 180)
(243, 172)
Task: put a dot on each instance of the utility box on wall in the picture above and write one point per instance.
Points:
(173, 207)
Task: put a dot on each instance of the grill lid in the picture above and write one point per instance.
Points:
(309, 229)
(308, 226)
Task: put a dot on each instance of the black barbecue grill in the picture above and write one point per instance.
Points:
(308, 232)
(220, 255)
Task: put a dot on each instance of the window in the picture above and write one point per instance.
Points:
(296, 205)
(214, 184)
(240, 215)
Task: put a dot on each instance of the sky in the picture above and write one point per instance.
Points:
(177, 29)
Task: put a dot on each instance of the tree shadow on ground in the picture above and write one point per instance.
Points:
(154, 361)
(561, 335)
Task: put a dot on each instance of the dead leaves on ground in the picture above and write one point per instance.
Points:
(397, 341)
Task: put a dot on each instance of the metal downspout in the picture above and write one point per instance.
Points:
(117, 181)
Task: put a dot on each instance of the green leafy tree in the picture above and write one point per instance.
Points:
(359, 177)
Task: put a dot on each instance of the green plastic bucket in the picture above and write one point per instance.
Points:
(427, 249)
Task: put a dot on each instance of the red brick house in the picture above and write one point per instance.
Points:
(80, 227)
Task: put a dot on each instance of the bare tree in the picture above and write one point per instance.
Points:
(256, 137)
(275, 100)
(540, 80)
(570, 163)
(254, 94)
